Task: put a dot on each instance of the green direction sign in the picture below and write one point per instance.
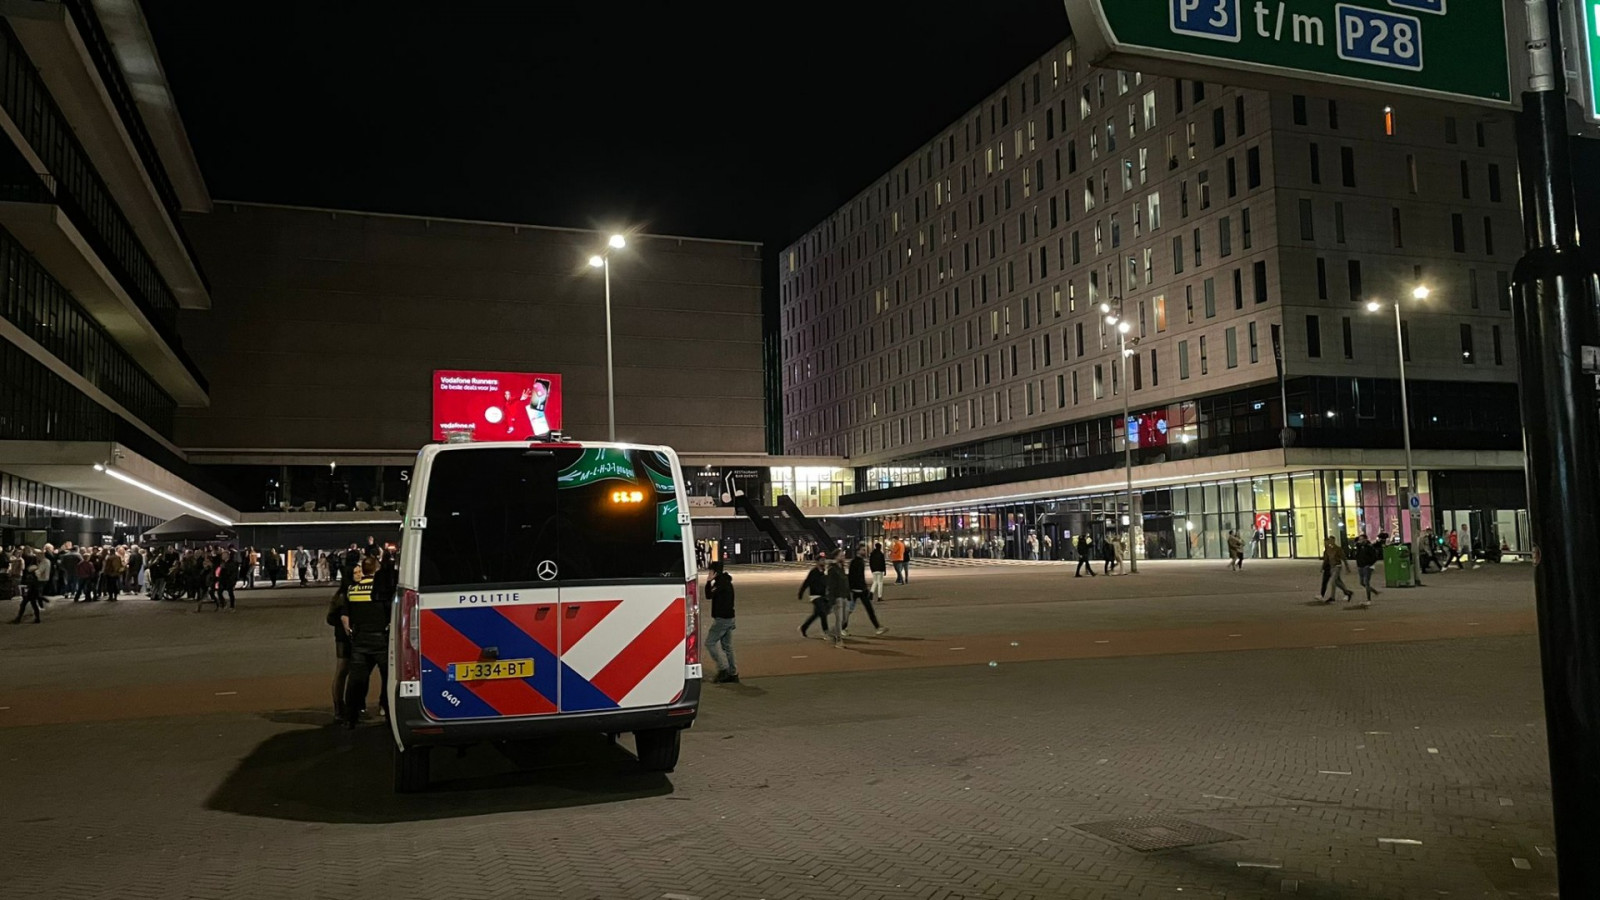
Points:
(1589, 23)
(1447, 49)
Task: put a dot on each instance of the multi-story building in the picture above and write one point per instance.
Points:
(946, 329)
(95, 172)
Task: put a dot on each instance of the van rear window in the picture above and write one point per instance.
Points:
(600, 514)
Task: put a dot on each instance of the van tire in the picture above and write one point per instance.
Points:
(658, 748)
(410, 770)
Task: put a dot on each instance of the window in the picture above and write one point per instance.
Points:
(1411, 171)
(1405, 341)
(1259, 272)
(1238, 115)
(1188, 302)
(1155, 373)
(1388, 121)
(1219, 128)
(1197, 250)
(1338, 221)
(1192, 151)
(1394, 218)
(1183, 360)
(1316, 164)
(1199, 91)
(1502, 286)
(1153, 204)
(1299, 109)
(1488, 235)
(1308, 229)
(1149, 110)
(1255, 349)
(1177, 255)
(1322, 278)
(1099, 382)
(1347, 161)
(1482, 137)
(1252, 168)
(1450, 136)
(1244, 225)
(1238, 289)
(1333, 114)
(1466, 180)
(1127, 175)
(1466, 346)
(1210, 290)
(1225, 236)
(1205, 367)
(1458, 232)
(1355, 281)
(1204, 180)
(1494, 339)
(1494, 183)
(1233, 179)
(1230, 346)
(1313, 337)
(1111, 135)
(1349, 345)
(1472, 288)
(1161, 313)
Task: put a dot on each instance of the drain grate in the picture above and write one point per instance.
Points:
(1149, 833)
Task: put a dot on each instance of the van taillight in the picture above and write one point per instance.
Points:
(411, 630)
(691, 621)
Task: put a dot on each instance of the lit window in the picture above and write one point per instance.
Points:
(1388, 121)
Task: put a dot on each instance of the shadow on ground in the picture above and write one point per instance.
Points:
(320, 773)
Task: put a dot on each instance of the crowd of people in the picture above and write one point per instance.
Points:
(211, 573)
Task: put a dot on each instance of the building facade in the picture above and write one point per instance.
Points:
(948, 328)
(95, 175)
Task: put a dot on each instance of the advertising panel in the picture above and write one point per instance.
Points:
(496, 406)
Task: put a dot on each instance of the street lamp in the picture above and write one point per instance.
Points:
(1420, 292)
(1123, 328)
(602, 261)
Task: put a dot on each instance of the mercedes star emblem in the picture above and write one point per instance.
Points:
(547, 570)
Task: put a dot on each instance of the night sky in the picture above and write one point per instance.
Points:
(711, 119)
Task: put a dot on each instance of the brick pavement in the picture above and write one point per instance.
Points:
(947, 780)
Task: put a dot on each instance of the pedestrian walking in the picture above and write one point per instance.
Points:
(815, 587)
(228, 578)
(19, 579)
(1333, 561)
(251, 560)
(838, 581)
(860, 593)
(897, 555)
(1367, 556)
(1085, 556)
(1235, 551)
(1108, 555)
(878, 565)
(1455, 550)
(302, 562)
(719, 639)
(273, 562)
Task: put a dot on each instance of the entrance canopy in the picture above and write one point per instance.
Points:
(189, 528)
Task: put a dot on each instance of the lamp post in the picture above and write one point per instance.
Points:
(1123, 327)
(1421, 292)
(603, 261)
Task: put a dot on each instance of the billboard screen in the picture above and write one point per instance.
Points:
(1148, 429)
(496, 406)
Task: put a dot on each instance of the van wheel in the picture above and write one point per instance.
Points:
(410, 770)
(658, 748)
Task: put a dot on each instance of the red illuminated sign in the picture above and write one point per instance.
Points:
(496, 406)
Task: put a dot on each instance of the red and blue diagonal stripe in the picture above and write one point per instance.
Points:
(460, 635)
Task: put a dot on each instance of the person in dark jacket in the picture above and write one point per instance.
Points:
(816, 588)
(719, 639)
(1367, 556)
(1085, 556)
(859, 593)
(364, 616)
(879, 564)
(229, 577)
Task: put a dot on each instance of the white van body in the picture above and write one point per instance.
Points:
(543, 588)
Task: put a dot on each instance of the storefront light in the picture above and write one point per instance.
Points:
(130, 480)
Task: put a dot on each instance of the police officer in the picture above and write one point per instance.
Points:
(364, 615)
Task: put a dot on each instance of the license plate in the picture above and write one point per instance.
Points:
(492, 669)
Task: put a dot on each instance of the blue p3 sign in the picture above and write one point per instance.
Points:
(1217, 20)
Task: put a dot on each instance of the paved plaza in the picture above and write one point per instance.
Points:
(1017, 734)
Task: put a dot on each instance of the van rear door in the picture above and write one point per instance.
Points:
(487, 569)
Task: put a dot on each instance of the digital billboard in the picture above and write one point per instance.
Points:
(1148, 429)
(496, 406)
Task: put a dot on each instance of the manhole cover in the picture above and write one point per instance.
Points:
(1147, 833)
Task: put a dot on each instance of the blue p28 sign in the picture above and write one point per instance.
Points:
(1379, 38)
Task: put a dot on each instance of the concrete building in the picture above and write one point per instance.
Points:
(97, 173)
(944, 329)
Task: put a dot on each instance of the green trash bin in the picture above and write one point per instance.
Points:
(1397, 565)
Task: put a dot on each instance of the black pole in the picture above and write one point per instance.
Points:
(1556, 319)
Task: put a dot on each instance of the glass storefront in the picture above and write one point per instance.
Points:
(1283, 516)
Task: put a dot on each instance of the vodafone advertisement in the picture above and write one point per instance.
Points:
(496, 406)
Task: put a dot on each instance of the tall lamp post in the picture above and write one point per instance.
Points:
(603, 261)
(1123, 327)
(1421, 292)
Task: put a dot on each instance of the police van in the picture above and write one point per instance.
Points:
(544, 588)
